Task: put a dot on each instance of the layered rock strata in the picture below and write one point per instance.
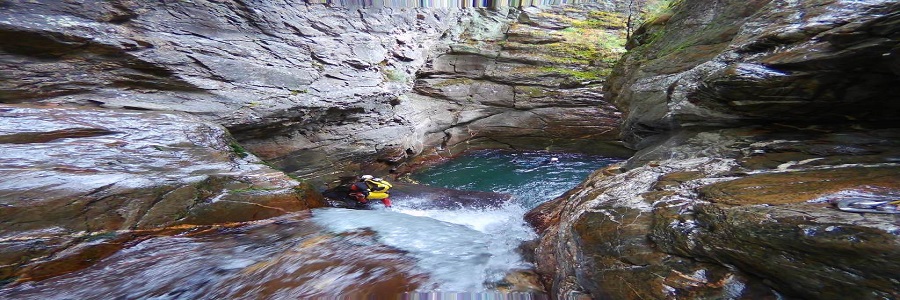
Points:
(317, 91)
(71, 174)
(529, 80)
(750, 118)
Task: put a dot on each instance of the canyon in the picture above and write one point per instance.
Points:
(743, 120)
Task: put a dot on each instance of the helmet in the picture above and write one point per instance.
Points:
(377, 179)
(366, 177)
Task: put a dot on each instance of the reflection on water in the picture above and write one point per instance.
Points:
(405, 252)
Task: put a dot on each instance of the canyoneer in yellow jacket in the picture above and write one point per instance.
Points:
(370, 188)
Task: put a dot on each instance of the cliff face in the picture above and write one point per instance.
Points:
(530, 80)
(749, 117)
(723, 64)
(305, 87)
(316, 91)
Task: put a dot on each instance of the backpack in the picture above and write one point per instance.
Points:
(379, 185)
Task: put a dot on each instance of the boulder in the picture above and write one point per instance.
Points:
(289, 81)
(70, 173)
(728, 214)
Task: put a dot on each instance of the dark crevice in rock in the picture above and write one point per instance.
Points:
(46, 137)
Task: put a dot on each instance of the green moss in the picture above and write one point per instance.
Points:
(533, 91)
(99, 236)
(658, 8)
(454, 81)
(298, 92)
(591, 74)
(394, 75)
(238, 150)
(295, 177)
(601, 20)
(588, 45)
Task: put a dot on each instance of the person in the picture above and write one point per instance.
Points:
(370, 188)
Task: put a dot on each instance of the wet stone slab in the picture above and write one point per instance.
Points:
(66, 171)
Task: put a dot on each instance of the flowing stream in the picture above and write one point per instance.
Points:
(335, 251)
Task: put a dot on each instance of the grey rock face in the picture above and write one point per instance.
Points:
(261, 68)
(533, 82)
(316, 91)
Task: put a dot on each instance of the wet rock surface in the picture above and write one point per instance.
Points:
(750, 120)
(71, 173)
(287, 255)
(694, 210)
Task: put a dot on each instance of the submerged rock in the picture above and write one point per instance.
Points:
(67, 171)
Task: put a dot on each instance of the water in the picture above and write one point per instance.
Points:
(470, 249)
(382, 254)
(528, 176)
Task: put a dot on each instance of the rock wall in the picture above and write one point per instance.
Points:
(306, 87)
(727, 64)
(750, 118)
(527, 79)
(316, 91)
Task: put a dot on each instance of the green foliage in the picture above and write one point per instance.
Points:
(656, 8)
